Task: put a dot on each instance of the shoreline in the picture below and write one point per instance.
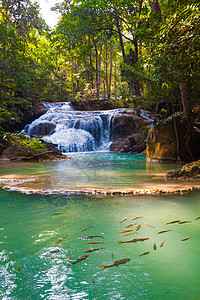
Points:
(13, 184)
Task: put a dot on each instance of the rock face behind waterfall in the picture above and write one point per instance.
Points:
(80, 131)
(129, 133)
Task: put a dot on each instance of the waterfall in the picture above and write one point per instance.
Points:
(75, 131)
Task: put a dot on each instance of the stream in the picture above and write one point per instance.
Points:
(40, 234)
(45, 229)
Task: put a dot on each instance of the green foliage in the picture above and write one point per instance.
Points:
(25, 145)
(116, 52)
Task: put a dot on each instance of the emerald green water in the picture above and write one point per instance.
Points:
(92, 170)
(29, 232)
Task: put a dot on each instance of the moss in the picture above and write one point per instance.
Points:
(194, 163)
(26, 146)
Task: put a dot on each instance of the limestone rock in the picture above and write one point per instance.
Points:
(161, 141)
(191, 171)
(124, 145)
(42, 129)
(126, 124)
(129, 133)
(16, 152)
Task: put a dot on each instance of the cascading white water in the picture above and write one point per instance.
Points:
(75, 131)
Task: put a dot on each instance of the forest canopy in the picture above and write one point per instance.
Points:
(141, 54)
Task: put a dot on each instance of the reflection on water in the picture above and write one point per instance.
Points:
(106, 171)
(34, 266)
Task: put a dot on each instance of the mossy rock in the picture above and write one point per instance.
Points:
(26, 148)
(188, 171)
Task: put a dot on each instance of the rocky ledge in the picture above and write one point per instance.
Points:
(162, 140)
(129, 133)
(30, 149)
(187, 172)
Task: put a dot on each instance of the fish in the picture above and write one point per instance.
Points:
(78, 260)
(173, 222)
(162, 244)
(154, 246)
(129, 233)
(123, 220)
(186, 239)
(145, 253)
(197, 218)
(93, 280)
(166, 293)
(59, 213)
(184, 222)
(112, 255)
(135, 218)
(163, 231)
(123, 231)
(56, 250)
(87, 228)
(18, 268)
(70, 257)
(130, 225)
(61, 239)
(134, 240)
(150, 225)
(116, 263)
(138, 227)
(94, 249)
(95, 242)
(90, 237)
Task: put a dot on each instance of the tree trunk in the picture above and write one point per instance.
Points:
(106, 67)
(115, 76)
(175, 129)
(97, 70)
(187, 110)
(137, 84)
(186, 99)
(91, 71)
(155, 6)
(110, 75)
(120, 37)
(87, 70)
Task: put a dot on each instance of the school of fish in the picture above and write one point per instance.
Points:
(123, 233)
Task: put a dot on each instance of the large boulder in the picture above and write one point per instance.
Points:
(131, 144)
(129, 133)
(123, 145)
(162, 141)
(30, 149)
(41, 129)
(126, 124)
